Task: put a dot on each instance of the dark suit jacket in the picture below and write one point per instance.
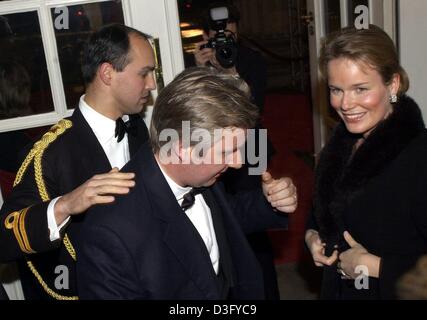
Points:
(70, 160)
(144, 246)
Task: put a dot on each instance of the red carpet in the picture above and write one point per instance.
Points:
(288, 119)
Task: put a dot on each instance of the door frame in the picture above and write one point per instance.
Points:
(160, 19)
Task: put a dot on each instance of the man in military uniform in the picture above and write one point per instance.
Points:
(76, 164)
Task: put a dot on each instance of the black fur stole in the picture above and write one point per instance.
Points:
(339, 177)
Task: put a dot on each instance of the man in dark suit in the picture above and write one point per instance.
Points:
(176, 235)
(75, 165)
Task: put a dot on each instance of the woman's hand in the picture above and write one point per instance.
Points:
(357, 256)
(317, 249)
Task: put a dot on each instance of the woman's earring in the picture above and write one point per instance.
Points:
(393, 98)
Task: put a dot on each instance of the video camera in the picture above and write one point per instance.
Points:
(224, 45)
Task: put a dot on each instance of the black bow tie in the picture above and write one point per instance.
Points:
(123, 127)
(189, 197)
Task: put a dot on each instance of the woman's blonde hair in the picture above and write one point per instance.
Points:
(372, 47)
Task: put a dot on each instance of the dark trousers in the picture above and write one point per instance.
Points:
(261, 245)
(3, 294)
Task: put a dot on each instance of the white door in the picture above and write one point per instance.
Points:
(160, 19)
(324, 17)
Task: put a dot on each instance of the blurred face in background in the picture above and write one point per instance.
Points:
(231, 26)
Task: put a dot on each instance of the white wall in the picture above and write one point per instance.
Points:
(413, 47)
(160, 19)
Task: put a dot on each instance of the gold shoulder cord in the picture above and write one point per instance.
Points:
(36, 153)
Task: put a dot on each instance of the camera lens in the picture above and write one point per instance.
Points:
(225, 52)
(226, 55)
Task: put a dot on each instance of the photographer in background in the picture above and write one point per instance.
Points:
(222, 49)
(249, 64)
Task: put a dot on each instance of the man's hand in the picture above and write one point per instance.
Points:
(203, 56)
(98, 189)
(281, 193)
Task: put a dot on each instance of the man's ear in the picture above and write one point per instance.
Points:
(105, 73)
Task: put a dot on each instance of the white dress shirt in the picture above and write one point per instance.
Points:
(201, 217)
(104, 129)
(117, 153)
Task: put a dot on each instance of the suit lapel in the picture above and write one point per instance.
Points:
(184, 241)
(93, 159)
(245, 270)
(220, 233)
(141, 136)
(180, 234)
